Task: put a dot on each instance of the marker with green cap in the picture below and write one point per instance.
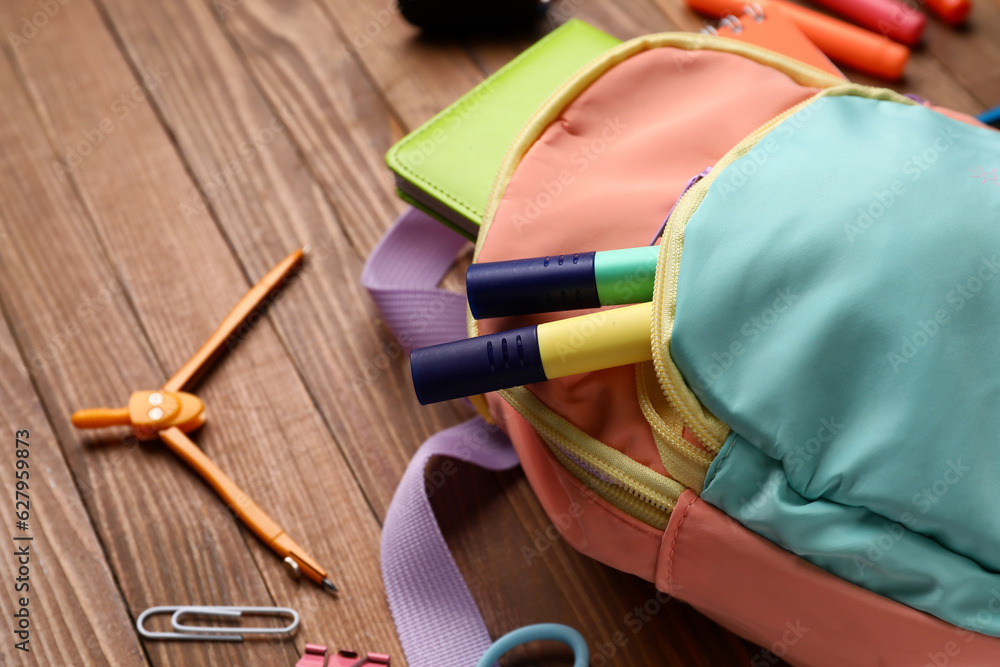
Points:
(561, 282)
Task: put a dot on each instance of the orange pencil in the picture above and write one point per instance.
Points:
(842, 42)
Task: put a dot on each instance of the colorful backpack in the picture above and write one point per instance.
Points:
(810, 458)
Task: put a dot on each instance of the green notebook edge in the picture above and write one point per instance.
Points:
(447, 166)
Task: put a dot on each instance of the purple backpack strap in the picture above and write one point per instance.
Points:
(438, 622)
(402, 274)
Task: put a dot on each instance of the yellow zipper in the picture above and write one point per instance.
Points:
(630, 486)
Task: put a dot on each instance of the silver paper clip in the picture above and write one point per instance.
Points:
(214, 634)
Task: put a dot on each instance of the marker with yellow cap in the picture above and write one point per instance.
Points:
(604, 339)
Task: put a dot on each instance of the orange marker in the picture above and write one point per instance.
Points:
(952, 11)
(842, 42)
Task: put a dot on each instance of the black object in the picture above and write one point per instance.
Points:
(454, 15)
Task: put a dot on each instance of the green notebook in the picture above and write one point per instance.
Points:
(446, 167)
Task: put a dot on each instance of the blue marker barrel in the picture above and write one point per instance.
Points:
(476, 365)
(528, 286)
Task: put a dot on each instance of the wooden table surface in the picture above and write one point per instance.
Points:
(155, 160)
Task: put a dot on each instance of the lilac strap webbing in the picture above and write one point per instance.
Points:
(438, 622)
(402, 274)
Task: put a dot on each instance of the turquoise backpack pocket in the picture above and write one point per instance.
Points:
(837, 302)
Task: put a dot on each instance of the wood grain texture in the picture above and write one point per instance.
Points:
(265, 431)
(69, 308)
(75, 607)
(261, 128)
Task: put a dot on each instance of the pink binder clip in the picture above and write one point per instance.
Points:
(316, 656)
(352, 659)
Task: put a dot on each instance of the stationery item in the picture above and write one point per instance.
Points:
(314, 656)
(563, 282)
(354, 659)
(991, 117)
(604, 339)
(539, 632)
(892, 18)
(148, 413)
(953, 12)
(168, 413)
(183, 631)
(842, 42)
(456, 15)
(446, 167)
(775, 31)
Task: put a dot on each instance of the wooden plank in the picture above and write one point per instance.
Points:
(346, 157)
(623, 20)
(76, 613)
(343, 124)
(69, 310)
(971, 53)
(264, 432)
(417, 74)
(327, 320)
